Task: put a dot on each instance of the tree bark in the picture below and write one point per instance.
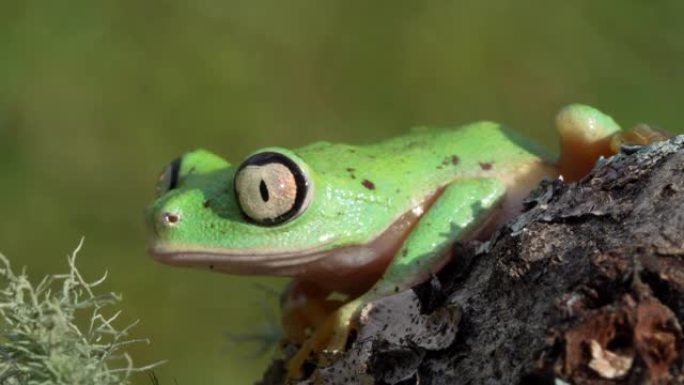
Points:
(586, 286)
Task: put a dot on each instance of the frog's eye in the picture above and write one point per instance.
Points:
(271, 188)
(168, 179)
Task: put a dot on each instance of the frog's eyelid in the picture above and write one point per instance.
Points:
(174, 169)
(169, 177)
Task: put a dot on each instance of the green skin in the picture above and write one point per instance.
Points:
(379, 217)
(358, 193)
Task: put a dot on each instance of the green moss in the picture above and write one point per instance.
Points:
(55, 332)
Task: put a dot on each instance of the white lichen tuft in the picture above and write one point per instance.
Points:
(41, 342)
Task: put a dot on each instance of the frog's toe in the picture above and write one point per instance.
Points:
(640, 135)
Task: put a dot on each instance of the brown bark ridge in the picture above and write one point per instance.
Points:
(586, 286)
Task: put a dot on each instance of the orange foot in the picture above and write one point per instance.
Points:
(305, 307)
(329, 338)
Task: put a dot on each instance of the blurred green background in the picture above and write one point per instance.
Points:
(97, 96)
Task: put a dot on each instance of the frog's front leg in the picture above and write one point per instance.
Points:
(305, 306)
(464, 206)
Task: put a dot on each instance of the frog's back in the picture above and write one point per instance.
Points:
(467, 147)
(426, 155)
(380, 181)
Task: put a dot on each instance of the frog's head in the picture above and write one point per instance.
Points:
(271, 214)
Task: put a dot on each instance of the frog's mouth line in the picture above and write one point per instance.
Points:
(270, 263)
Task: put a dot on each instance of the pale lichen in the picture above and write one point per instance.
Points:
(56, 333)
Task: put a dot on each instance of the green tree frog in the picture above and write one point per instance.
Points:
(365, 221)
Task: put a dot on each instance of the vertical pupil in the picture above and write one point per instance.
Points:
(263, 190)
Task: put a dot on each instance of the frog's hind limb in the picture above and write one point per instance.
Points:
(462, 208)
(587, 134)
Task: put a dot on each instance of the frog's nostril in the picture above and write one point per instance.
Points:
(170, 219)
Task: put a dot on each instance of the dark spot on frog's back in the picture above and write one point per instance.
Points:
(485, 166)
(351, 170)
(368, 184)
(449, 160)
(415, 144)
(206, 204)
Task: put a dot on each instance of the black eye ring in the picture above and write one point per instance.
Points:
(301, 182)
